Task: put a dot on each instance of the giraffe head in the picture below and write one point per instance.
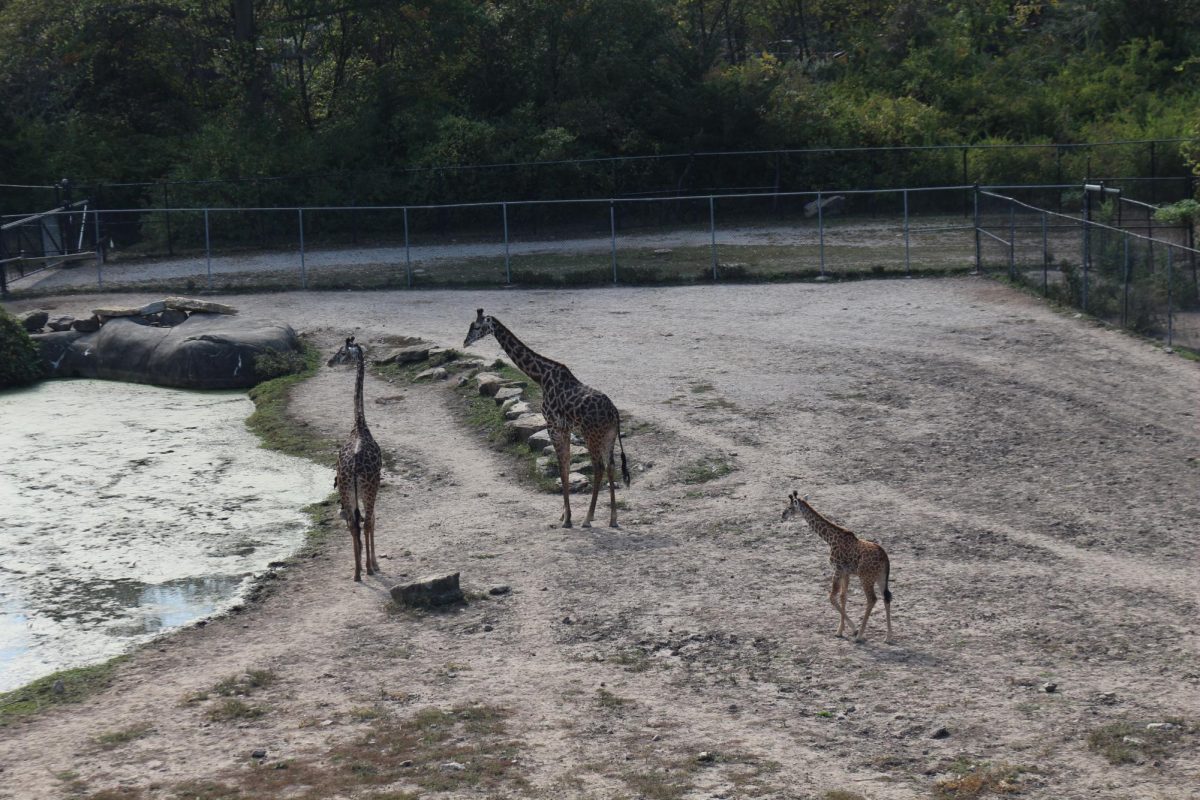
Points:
(481, 326)
(795, 503)
(348, 353)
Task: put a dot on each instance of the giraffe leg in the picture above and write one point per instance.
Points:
(833, 600)
(868, 584)
(597, 477)
(562, 448)
(368, 501)
(356, 539)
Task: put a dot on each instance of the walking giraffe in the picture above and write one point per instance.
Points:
(567, 405)
(358, 469)
(850, 556)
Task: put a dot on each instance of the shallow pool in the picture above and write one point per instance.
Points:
(128, 510)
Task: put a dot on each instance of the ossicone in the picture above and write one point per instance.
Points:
(479, 313)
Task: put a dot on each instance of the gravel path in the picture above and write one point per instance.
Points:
(1032, 476)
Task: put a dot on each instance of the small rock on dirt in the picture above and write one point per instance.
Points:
(705, 757)
(940, 733)
(432, 590)
(1161, 726)
(34, 321)
(435, 374)
(453, 766)
(1049, 688)
(498, 590)
(259, 753)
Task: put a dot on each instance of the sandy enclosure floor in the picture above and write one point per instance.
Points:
(1033, 478)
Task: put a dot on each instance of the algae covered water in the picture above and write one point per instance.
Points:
(128, 510)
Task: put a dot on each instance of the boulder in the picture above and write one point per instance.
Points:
(489, 383)
(203, 306)
(62, 323)
(539, 441)
(834, 204)
(427, 592)
(34, 321)
(504, 394)
(435, 374)
(206, 351)
(519, 409)
(405, 355)
(89, 325)
(522, 428)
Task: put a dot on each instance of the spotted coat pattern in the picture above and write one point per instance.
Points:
(359, 466)
(569, 406)
(849, 555)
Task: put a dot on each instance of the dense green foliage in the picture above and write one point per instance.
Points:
(192, 89)
(19, 361)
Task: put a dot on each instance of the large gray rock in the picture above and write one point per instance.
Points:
(506, 393)
(206, 352)
(89, 325)
(405, 355)
(522, 428)
(34, 321)
(432, 590)
(62, 323)
(203, 306)
(517, 410)
(172, 317)
(539, 441)
(489, 383)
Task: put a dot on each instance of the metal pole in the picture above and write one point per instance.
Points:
(407, 252)
(821, 233)
(712, 232)
(1087, 245)
(167, 214)
(1045, 257)
(1170, 299)
(978, 246)
(303, 270)
(907, 260)
(1125, 297)
(207, 250)
(99, 252)
(1012, 242)
(507, 264)
(612, 227)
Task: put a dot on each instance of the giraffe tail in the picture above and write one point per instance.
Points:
(887, 575)
(624, 464)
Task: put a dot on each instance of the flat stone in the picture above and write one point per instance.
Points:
(34, 321)
(518, 409)
(429, 591)
(523, 428)
(157, 307)
(540, 441)
(62, 323)
(110, 313)
(203, 306)
(575, 481)
(1161, 726)
(506, 393)
(435, 374)
(89, 325)
(405, 355)
(577, 451)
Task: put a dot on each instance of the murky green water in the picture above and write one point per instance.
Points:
(128, 510)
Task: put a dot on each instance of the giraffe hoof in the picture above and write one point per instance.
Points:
(613, 524)
(586, 525)
(568, 524)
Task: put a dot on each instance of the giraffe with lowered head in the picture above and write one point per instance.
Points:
(359, 466)
(568, 405)
(849, 555)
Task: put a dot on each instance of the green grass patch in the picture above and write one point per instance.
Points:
(1133, 743)
(231, 709)
(706, 469)
(76, 685)
(969, 780)
(271, 422)
(113, 739)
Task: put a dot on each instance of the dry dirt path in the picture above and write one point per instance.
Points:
(1033, 477)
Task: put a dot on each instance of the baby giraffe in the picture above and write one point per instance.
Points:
(849, 555)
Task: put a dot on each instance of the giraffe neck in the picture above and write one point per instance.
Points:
(536, 366)
(829, 532)
(360, 418)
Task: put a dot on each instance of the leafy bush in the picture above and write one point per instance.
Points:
(19, 361)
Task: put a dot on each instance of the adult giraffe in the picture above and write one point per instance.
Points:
(359, 467)
(568, 405)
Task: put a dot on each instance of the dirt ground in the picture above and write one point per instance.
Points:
(1032, 476)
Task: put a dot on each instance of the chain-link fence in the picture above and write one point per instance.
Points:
(1112, 271)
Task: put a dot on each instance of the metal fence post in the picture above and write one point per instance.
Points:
(1012, 241)
(1087, 244)
(821, 234)
(612, 227)
(907, 259)
(978, 245)
(712, 232)
(1170, 298)
(1045, 257)
(99, 251)
(507, 263)
(303, 270)
(407, 253)
(1125, 294)
(207, 251)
